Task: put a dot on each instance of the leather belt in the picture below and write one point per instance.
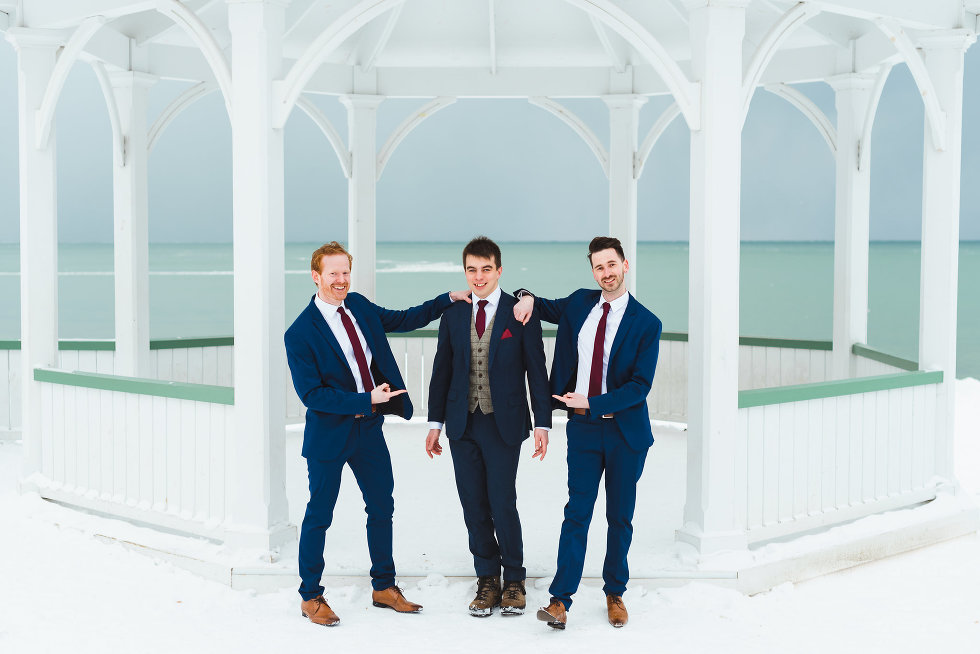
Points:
(374, 409)
(582, 412)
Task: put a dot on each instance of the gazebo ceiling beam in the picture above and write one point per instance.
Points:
(617, 59)
(69, 14)
(297, 13)
(383, 38)
(916, 14)
(872, 50)
(110, 47)
(196, 6)
(679, 10)
(808, 28)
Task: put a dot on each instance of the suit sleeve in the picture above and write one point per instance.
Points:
(310, 389)
(406, 320)
(550, 310)
(442, 368)
(636, 390)
(537, 372)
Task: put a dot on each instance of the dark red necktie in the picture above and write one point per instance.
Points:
(481, 319)
(358, 352)
(598, 348)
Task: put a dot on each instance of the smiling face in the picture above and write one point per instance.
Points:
(481, 275)
(610, 272)
(333, 280)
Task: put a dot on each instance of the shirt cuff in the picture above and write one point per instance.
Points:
(436, 425)
(544, 428)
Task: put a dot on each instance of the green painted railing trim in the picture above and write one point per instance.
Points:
(138, 386)
(673, 336)
(178, 343)
(882, 357)
(819, 390)
(9, 345)
(86, 345)
(791, 343)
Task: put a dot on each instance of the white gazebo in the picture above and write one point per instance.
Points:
(785, 437)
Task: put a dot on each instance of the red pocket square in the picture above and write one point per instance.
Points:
(506, 334)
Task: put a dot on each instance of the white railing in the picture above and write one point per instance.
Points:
(138, 449)
(763, 363)
(807, 462)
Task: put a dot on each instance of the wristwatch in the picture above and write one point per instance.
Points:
(521, 292)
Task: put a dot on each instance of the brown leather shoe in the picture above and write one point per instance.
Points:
(392, 598)
(487, 597)
(618, 616)
(554, 614)
(513, 599)
(319, 612)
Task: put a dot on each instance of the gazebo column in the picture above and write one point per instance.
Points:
(257, 511)
(851, 224)
(131, 232)
(362, 126)
(710, 520)
(624, 118)
(943, 53)
(36, 56)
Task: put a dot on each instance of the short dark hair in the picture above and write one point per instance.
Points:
(600, 243)
(484, 248)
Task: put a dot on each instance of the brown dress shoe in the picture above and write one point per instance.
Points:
(319, 612)
(554, 614)
(392, 598)
(487, 597)
(617, 612)
(513, 600)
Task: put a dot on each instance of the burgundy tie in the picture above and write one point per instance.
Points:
(358, 352)
(481, 319)
(598, 348)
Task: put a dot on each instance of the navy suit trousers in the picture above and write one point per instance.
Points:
(367, 455)
(596, 445)
(486, 478)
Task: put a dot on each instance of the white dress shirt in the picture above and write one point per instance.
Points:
(490, 309)
(586, 341)
(336, 325)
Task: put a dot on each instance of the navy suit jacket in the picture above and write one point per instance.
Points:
(632, 361)
(323, 378)
(513, 350)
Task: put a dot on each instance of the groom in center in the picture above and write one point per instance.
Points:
(478, 393)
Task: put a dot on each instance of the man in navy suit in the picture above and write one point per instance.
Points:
(477, 392)
(345, 374)
(605, 357)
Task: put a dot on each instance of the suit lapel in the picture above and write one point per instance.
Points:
(624, 327)
(500, 319)
(582, 312)
(327, 334)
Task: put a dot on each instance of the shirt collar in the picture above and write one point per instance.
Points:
(493, 299)
(616, 305)
(328, 310)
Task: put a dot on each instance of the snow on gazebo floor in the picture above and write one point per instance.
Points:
(65, 591)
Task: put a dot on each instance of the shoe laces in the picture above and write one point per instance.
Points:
(484, 588)
(513, 591)
(617, 600)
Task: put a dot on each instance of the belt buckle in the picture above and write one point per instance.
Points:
(607, 416)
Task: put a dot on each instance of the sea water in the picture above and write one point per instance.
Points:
(786, 288)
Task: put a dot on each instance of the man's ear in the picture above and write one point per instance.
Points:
(316, 278)
(626, 265)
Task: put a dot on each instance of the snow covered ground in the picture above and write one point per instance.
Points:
(61, 590)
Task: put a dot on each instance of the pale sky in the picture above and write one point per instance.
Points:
(500, 166)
